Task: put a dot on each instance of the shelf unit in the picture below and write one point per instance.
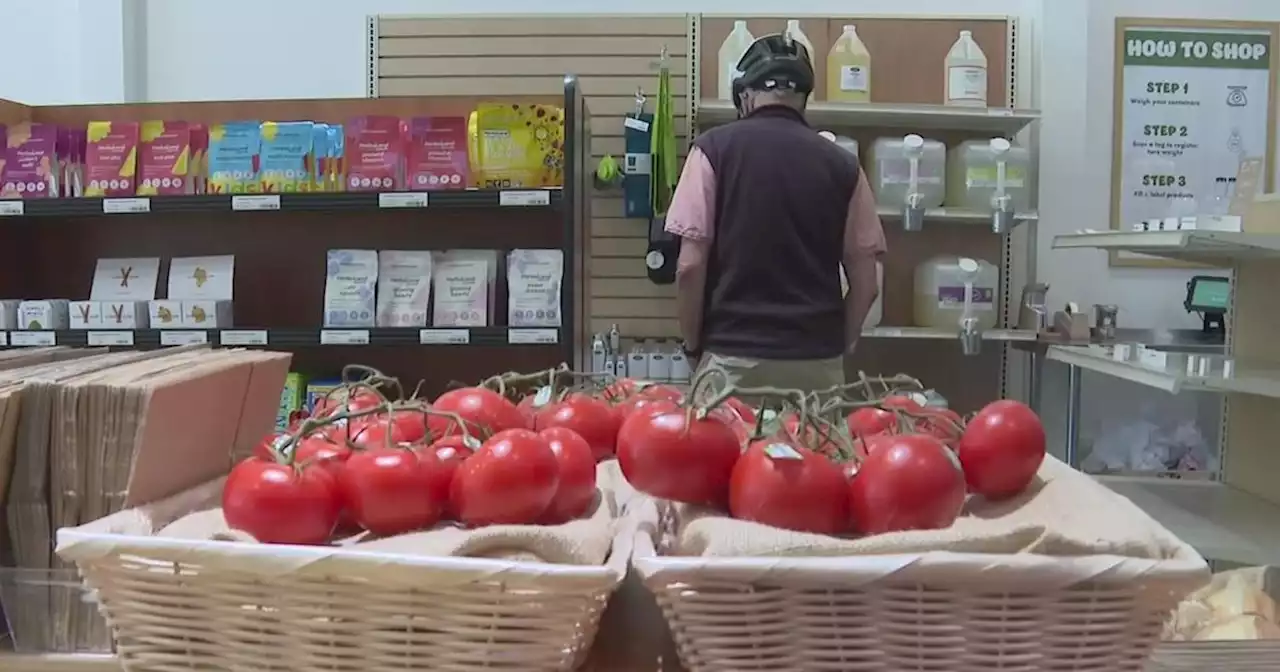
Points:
(1234, 518)
(910, 102)
(279, 243)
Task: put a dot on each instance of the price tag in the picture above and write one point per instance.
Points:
(344, 337)
(119, 206)
(183, 337)
(637, 124)
(444, 336)
(257, 202)
(12, 208)
(243, 337)
(532, 336)
(525, 198)
(110, 338)
(1000, 112)
(32, 339)
(886, 332)
(403, 200)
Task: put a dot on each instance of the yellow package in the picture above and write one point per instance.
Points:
(516, 145)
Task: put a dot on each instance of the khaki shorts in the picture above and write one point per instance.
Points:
(808, 375)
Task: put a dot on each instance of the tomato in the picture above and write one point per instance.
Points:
(403, 428)
(486, 412)
(907, 482)
(576, 491)
(528, 409)
(619, 390)
(943, 424)
(810, 437)
(789, 486)
(351, 402)
(395, 490)
(452, 451)
(270, 446)
(675, 455)
(1001, 449)
(869, 421)
(592, 419)
(744, 411)
(906, 402)
(661, 392)
(640, 403)
(511, 479)
(281, 504)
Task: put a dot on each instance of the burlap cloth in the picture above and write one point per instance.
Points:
(195, 515)
(1065, 513)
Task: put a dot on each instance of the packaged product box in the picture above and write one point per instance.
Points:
(165, 162)
(125, 315)
(111, 158)
(233, 157)
(85, 314)
(292, 399)
(375, 153)
(48, 314)
(351, 280)
(533, 287)
(287, 156)
(320, 157)
(336, 158)
(319, 389)
(516, 146)
(463, 283)
(437, 154)
(199, 169)
(404, 288)
(29, 163)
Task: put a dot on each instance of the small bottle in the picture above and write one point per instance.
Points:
(660, 364)
(638, 363)
(794, 31)
(680, 366)
(966, 73)
(599, 352)
(849, 69)
(731, 51)
(615, 340)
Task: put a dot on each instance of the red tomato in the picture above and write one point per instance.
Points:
(452, 451)
(907, 482)
(640, 403)
(665, 454)
(744, 411)
(319, 452)
(527, 409)
(270, 446)
(512, 479)
(486, 412)
(394, 490)
(576, 491)
(869, 421)
(1001, 449)
(789, 486)
(661, 392)
(280, 504)
(592, 419)
(810, 438)
(902, 401)
(384, 432)
(619, 390)
(353, 402)
(943, 424)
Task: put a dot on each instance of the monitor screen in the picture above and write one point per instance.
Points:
(1210, 294)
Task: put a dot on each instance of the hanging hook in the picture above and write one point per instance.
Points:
(640, 101)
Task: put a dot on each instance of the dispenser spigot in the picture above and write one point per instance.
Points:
(912, 207)
(1001, 202)
(970, 333)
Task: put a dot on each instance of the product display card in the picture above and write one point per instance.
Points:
(126, 279)
(204, 278)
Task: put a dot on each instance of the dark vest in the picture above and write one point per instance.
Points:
(782, 199)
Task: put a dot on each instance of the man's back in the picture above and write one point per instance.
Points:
(782, 202)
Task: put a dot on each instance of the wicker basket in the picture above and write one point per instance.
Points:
(949, 612)
(178, 604)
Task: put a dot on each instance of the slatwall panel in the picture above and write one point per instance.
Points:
(612, 56)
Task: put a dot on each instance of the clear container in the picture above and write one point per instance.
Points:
(876, 314)
(844, 142)
(731, 51)
(849, 69)
(890, 172)
(966, 72)
(940, 288)
(972, 172)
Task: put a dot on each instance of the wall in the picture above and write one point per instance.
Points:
(60, 52)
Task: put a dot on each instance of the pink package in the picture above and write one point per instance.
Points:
(111, 158)
(375, 153)
(29, 162)
(437, 153)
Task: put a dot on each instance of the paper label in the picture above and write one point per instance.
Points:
(543, 396)
(444, 336)
(966, 83)
(30, 339)
(952, 298)
(110, 338)
(117, 206)
(532, 336)
(12, 209)
(402, 200)
(243, 337)
(636, 124)
(258, 202)
(984, 177)
(855, 78)
(781, 451)
(344, 337)
(525, 198)
(171, 338)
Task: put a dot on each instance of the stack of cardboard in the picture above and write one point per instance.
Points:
(84, 434)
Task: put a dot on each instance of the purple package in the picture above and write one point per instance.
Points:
(30, 162)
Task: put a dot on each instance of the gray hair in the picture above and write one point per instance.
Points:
(757, 98)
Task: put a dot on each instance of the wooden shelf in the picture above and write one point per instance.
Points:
(301, 337)
(1208, 247)
(1220, 522)
(995, 120)
(1175, 372)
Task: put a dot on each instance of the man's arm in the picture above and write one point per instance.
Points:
(863, 244)
(692, 217)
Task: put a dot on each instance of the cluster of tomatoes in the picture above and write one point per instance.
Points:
(911, 466)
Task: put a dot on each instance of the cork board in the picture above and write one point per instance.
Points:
(613, 56)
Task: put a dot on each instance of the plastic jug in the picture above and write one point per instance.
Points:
(849, 69)
(890, 172)
(966, 73)
(972, 172)
(844, 142)
(793, 29)
(940, 292)
(731, 51)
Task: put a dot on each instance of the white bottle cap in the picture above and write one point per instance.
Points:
(737, 25)
(913, 141)
(828, 135)
(968, 265)
(850, 28)
(966, 33)
(793, 24)
(1000, 145)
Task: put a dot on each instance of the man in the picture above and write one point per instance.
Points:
(768, 210)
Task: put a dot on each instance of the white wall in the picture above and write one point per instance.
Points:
(61, 52)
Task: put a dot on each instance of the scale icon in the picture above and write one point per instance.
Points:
(1236, 96)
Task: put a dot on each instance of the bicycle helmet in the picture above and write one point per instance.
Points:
(773, 62)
